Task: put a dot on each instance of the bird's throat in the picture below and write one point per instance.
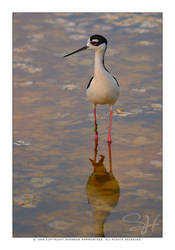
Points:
(99, 62)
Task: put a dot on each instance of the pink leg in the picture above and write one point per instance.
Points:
(95, 125)
(110, 157)
(110, 124)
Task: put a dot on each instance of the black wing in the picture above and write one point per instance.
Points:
(113, 76)
(116, 81)
(90, 82)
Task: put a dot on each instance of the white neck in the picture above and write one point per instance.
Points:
(99, 59)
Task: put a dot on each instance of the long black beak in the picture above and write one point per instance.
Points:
(85, 47)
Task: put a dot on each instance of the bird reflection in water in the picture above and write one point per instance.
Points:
(103, 191)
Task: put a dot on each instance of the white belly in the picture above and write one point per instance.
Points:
(103, 89)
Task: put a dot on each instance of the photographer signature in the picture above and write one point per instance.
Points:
(143, 222)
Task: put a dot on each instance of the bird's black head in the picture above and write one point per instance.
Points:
(96, 40)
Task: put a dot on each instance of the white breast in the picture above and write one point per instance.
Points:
(103, 89)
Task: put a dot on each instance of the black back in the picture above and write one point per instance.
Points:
(90, 82)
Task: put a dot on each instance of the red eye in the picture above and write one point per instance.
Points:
(94, 43)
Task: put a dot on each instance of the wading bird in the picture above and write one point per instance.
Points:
(103, 88)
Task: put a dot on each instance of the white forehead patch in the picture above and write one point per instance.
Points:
(95, 40)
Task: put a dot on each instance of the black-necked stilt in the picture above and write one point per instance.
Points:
(103, 88)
